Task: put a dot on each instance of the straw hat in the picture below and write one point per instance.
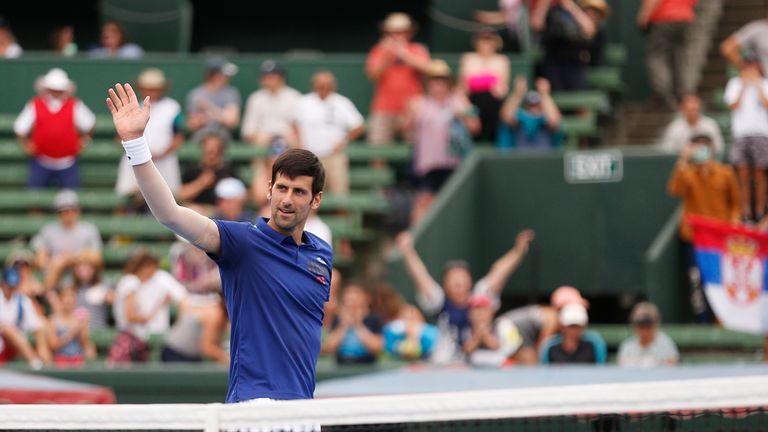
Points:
(151, 78)
(439, 69)
(599, 5)
(397, 22)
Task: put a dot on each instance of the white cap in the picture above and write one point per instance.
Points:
(56, 79)
(152, 78)
(573, 314)
(230, 188)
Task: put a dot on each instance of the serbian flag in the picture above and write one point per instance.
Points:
(732, 263)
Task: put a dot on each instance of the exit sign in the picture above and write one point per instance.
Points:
(594, 166)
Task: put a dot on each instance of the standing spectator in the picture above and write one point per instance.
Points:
(667, 23)
(267, 123)
(63, 41)
(395, 65)
(509, 13)
(197, 333)
(53, 128)
(165, 134)
(199, 181)
(68, 333)
(231, 195)
(8, 46)
(574, 344)
(326, 122)
(752, 38)
(356, 335)
(747, 97)
(565, 40)
(18, 317)
(58, 243)
(484, 74)
(688, 123)
(597, 11)
(114, 43)
(532, 118)
(431, 119)
(707, 188)
(214, 105)
(649, 347)
(449, 302)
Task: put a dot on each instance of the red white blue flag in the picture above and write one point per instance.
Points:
(732, 263)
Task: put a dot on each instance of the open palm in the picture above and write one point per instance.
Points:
(129, 118)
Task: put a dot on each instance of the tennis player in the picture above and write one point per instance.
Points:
(275, 276)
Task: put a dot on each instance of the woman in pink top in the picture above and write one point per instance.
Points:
(428, 119)
(484, 74)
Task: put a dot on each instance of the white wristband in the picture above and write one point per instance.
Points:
(137, 151)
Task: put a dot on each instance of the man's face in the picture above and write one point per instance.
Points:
(323, 84)
(212, 150)
(457, 283)
(690, 107)
(69, 216)
(230, 208)
(272, 81)
(438, 88)
(573, 332)
(111, 37)
(645, 332)
(291, 201)
(534, 109)
(355, 300)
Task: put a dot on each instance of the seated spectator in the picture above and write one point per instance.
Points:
(199, 180)
(196, 335)
(688, 123)
(231, 195)
(449, 302)
(395, 65)
(573, 344)
(484, 74)
(355, 335)
(325, 123)
(58, 243)
(267, 123)
(565, 39)
(63, 41)
(482, 344)
(114, 43)
(432, 121)
(408, 336)
(318, 227)
(649, 347)
(164, 132)
(93, 295)
(141, 307)
(68, 333)
(214, 105)
(195, 270)
(751, 37)
(17, 318)
(8, 46)
(747, 97)
(531, 120)
(509, 13)
(53, 128)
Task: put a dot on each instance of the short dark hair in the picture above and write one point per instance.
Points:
(455, 264)
(293, 163)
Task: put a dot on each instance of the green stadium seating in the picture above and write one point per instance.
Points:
(606, 78)
(593, 100)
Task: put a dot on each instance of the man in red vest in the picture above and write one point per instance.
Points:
(52, 129)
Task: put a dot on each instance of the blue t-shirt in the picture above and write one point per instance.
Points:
(531, 132)
(275, 291)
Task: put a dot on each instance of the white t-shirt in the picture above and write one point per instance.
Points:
(678, 134)
(148, 296)
(316, 226)
(270, 113)
(751, 116)
(323, 123)
(9, 313)
(658, 353)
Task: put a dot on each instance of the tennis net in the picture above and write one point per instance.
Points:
(701, 405)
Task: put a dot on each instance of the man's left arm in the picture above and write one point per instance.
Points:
(503, 268)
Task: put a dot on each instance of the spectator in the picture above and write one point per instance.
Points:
(93, 295)
(532, 118)
(325, 123)
(449, 302)
(141, 307)
(197, 333)
(573, 344)
(114, 43)
(58, 243)
(482, 344)
(355, 336)
(165, 134)
(707, 188)
(691, 122)
(17, 318)
(195, 270)
(23, 260)
(318, 227)
(509, 13)
(63, 41)
(267, 123)
(747, 97)
(230, 201)
(199, 181)
(409, 337)
(569, 29)
(395, 65)
(214, 105)
(649, 347)
(484, 74)
(752, 38)
(667, 24)
(597, 11)
(9, 48)
(432, 120)
(53, 128)
(68, 333)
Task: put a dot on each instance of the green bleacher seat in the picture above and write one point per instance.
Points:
(114, 256)
(607, 78)
(615, 54)
(145, 227)
(593, 100)
(580, 125)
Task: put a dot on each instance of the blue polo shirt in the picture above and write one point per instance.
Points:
(275, 291)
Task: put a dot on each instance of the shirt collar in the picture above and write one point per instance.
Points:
(262, 225)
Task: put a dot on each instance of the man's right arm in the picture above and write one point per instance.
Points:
(429, 296)
(130, 121)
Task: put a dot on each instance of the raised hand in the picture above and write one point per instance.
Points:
(524, 238)
(130, 119)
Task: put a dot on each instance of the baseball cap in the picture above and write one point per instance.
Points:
(56, 79)
(645, 313)
(574, 314)
(20, 256)
(272, 67)
(566, 295)
(230, 188)
(152, 78)
(220, 64)
(532, 98)
(397, 22)
(66, 199)
(11, 276)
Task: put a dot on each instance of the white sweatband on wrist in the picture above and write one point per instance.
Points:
(137, 151)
